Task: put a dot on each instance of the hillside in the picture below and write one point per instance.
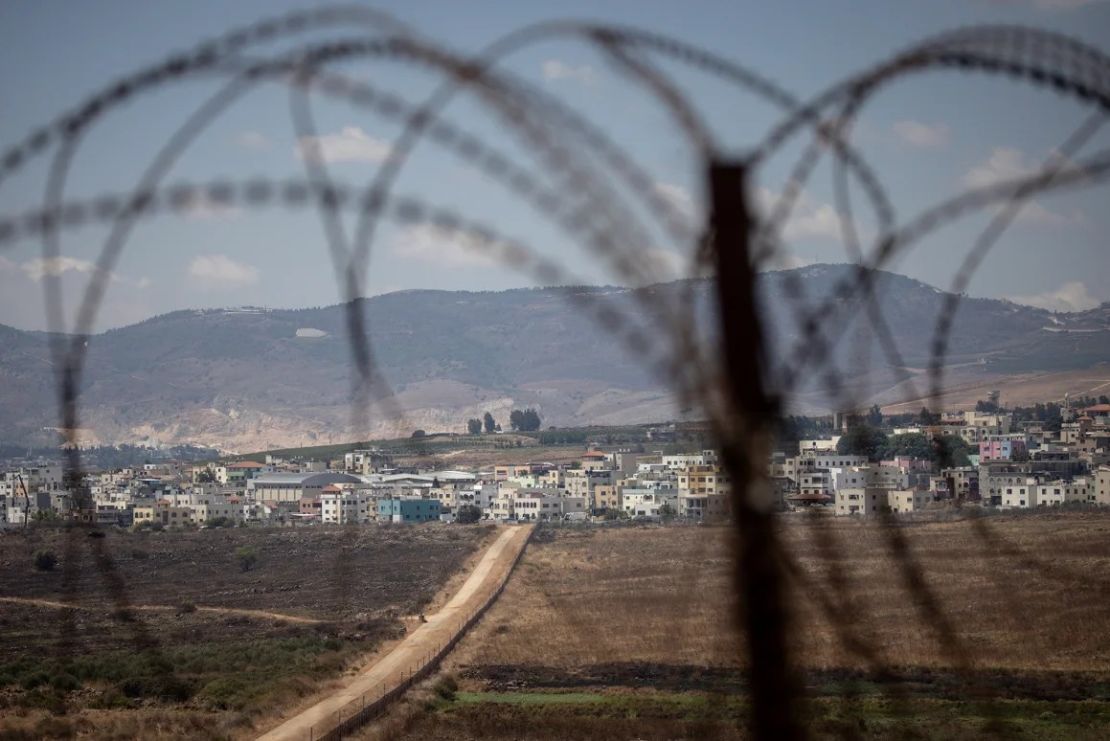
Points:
(259, 378)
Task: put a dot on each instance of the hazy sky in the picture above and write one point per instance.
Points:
(928, 137)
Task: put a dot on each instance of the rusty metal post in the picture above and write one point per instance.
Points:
(759, 576)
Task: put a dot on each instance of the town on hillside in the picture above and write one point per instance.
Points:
(858, 464)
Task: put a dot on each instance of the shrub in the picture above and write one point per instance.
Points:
(468, 513)
(64, 682)
(35, 679)
(225, 693)
(446, 687)
(158, 686)
(247, 557)
(45, 560)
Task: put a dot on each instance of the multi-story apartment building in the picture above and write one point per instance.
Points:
(860, 500)
(639, 502)
(815, 485)
(902, 501)
(1019, 493)
(1102, 485)
(1065, 491)
(995, 478)
(1002, 447)
(703, 492)
(963, 482)
(366, 461)
(605, 497)
(345, 506)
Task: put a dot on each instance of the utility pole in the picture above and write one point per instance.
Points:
(750, 414)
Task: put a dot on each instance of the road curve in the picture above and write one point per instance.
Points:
(422, 647)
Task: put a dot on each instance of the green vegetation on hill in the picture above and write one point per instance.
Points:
(690, 437)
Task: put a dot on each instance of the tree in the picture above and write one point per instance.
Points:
(488, 423)
(875, 416)
(926, 417)
(946, 451)
(474, 426)
(862, 440)
(419, 433)
(913, 445)
(667, 510)
(45, 560)
(207, 476)
(516, 419)
(951, 451)
(247, 557)
(468, 513)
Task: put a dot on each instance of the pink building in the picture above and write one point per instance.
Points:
(1000, 448)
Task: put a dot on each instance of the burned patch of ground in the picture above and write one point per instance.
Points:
(917, 681)
(178, 654)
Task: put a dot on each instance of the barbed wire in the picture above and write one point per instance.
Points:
(586, 185)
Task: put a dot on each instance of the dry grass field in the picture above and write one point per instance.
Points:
(963, 387)
(206, 648)
(628, 632)
(661, 594)
(488, 457)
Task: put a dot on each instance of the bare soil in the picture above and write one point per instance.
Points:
(967, 628)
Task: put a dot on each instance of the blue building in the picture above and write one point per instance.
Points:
(408, 510)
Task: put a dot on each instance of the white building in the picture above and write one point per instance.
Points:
(535, 505)
(819, 446)
(1019, 494)
(902, 501)
(646, 502)
(1062, 491)
(860, 501)
(345, 506)
(836, 460)
(1102, 485)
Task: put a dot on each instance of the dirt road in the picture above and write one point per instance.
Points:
(261, 614)
(419, 649)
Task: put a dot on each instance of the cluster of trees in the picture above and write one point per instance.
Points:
(522, 420)
(527, 420)
(872, 442)
(485, 424)
(792, 428)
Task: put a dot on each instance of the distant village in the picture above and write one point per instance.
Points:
(863, 467)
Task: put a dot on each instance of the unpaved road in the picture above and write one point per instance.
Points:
(262, 614)
(417, 649)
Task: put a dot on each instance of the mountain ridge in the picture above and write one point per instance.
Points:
(255, 377)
